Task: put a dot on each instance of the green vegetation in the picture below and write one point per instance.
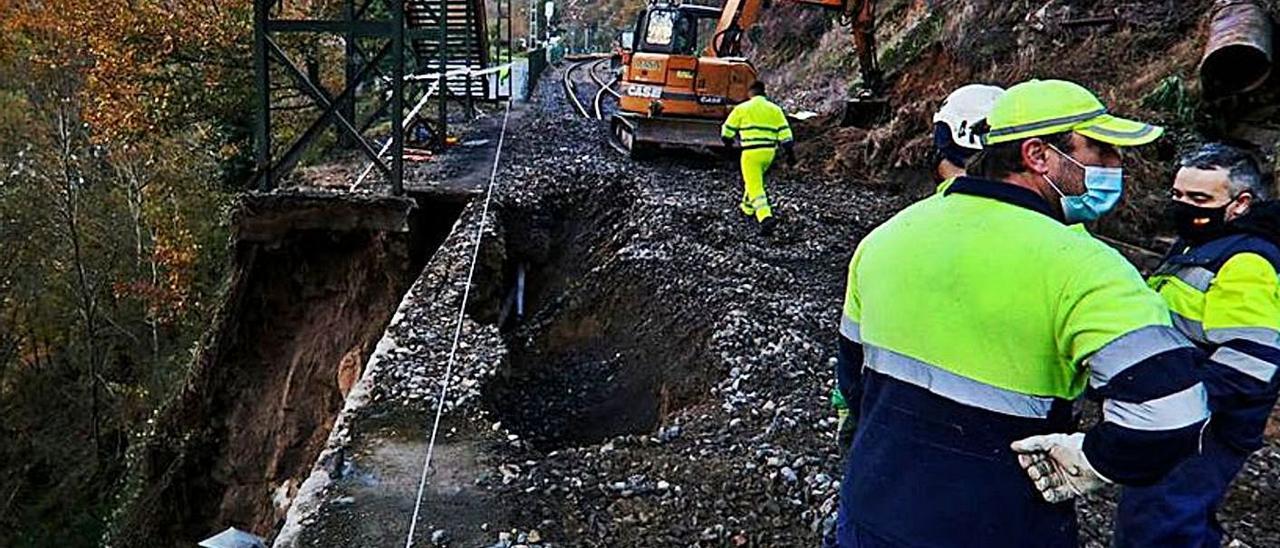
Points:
(1171, 98)
(920, 36)
(123, 135)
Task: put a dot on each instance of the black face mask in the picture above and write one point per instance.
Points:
(1198, 224)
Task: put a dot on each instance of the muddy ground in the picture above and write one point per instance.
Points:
(666, 384)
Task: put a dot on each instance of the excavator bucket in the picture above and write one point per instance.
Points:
(865, 112)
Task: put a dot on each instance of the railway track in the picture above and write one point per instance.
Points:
(606, 87)
(598, 74)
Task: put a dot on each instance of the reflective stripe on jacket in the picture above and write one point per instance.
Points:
(1224, 295)
(758, 123)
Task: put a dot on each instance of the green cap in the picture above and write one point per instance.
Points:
(1044, 107)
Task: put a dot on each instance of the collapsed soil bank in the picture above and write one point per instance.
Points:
(602, 350)
(599, 352)
(313, 283)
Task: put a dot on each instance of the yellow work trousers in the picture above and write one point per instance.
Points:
(755, 162)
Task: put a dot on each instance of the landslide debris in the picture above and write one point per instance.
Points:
(753, 461)
(749, 457)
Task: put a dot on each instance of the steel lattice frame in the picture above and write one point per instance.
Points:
(340, 110)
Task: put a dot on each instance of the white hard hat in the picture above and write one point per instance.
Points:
(965, 107)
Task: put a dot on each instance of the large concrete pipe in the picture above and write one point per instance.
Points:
(1237, 57)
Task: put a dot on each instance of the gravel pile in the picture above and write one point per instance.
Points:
(751, 459)
(669, 383)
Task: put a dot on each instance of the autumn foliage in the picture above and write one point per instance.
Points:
(124, 129)
(141, 64)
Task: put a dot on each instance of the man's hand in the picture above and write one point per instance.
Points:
(728, 141)
(1057, 466)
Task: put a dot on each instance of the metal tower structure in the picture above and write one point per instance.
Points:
(441, 36)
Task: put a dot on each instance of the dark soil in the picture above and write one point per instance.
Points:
(659, 317)
(302, 312)
(602, 353)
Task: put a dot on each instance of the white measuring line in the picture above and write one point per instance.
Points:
(408, 119)
(457, 333)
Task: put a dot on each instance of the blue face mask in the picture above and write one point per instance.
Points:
(1103, 188)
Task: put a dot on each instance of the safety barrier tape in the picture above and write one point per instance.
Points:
(435, 86)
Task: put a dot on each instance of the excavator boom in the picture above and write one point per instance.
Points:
(736, 16)
(739, 15)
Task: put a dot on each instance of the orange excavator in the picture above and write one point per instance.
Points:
(675, 95)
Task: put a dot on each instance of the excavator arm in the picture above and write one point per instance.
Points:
(863, 17)
(737, 16)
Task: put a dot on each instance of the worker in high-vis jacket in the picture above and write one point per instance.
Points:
(1220, 282)
(954, 142)
(760, 127)
(979, 316)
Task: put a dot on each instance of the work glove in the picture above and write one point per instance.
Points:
(847, 426)
(1057, 466)
(728, 141)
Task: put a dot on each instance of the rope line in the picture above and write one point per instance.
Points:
(457, 333)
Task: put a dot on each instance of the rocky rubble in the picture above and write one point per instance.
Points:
(725, 340)
(751, 461)
(754, 463)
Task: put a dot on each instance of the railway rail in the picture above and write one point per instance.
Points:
(606, 87)
(598, 74)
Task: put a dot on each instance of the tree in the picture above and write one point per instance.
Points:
(122, 128)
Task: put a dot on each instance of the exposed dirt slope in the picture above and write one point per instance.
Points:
(303, 309)
(1140, 57)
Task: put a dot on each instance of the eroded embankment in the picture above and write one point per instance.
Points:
(600, 352)
(314, 281)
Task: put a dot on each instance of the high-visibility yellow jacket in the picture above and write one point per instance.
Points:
(973, 319)
(1224, 295)
(758, 123)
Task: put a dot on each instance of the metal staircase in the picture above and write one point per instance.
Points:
(452, 32)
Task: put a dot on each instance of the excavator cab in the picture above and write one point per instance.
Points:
(672, 94)
(669, 29)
